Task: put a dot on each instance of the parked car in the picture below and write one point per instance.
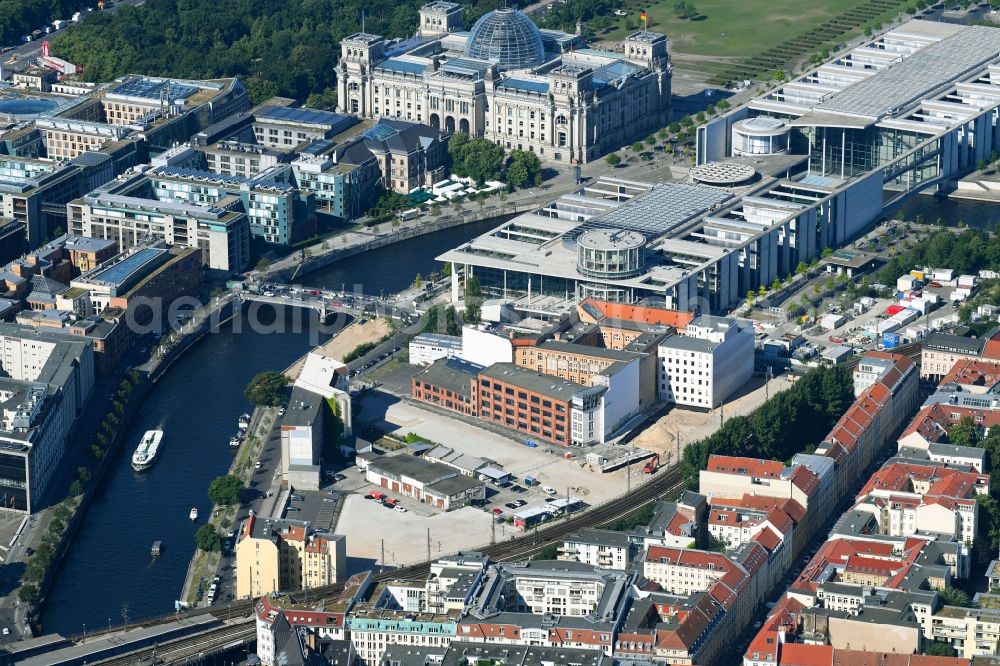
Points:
(340, 477)
(498, 511)
(401, 509)
(511, 505)
(548, 490)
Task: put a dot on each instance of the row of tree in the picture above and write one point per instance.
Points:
(793, 421)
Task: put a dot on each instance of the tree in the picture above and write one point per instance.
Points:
(76, 488)
(762, 291)
(451, 321)
(28, 593)
(207, 539)
(418, 281)
(327, 99)
(83, 474)
(637, 147)
(952, 596)
(776, 285)
(225, 490)
(674, 127)
(964, 433)
(650, 140)
(479, 159)
(473, 300)
(613, 160)
(802, 268)
(940, 649)
(266, 388)
(685, 10)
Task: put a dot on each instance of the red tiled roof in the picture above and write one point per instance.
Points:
(771, 469)
(640, 314)
(796, 654)
(973, 372)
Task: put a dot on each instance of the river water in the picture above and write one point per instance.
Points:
(930, 209)
(197, 404)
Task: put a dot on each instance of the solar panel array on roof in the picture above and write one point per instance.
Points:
(154, 89)
(917, 76)
(306, 116)
(405, 66)
(380, 132)
(119, 272)
(612, 71)
(317, 147)
(525, 84)
(464, 67)
(657, 212)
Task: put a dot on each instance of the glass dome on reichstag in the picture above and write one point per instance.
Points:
(508, 37)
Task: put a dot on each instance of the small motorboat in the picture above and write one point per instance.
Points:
(194, 513)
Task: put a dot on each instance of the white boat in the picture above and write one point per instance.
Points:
(244, 422)
(146, 452)
(194, 513)
(235, 441)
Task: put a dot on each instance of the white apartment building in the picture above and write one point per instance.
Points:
(708, 364)
(429, 347)
(685, 571)
(599, 548)
(556, 588)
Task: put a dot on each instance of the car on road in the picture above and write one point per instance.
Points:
(340, 477)
(548, 490)
(257, 465)
(329, 499)
(400, 509)
(6, 631)
(498, 511)
(294, 508)
(296, 498)
(231, 533)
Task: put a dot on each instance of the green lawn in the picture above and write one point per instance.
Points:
(731, 29)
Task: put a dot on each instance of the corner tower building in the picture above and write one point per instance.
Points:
(506, 80)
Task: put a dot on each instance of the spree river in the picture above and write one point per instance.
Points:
(197, 404)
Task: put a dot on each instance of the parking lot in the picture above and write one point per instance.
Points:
(548, 466)
(368, 524)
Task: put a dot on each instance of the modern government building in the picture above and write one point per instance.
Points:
(805, 166)
(508, 81)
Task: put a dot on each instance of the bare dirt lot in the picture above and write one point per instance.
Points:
(357, 333)
(690, 425)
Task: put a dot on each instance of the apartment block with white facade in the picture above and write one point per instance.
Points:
(708, 364)
(600, 548)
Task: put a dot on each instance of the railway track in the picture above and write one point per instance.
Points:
(185, 649)
(665, 484)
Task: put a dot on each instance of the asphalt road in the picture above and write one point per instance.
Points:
(26, 53)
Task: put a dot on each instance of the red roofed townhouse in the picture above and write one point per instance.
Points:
(875, 416)
(728, 477)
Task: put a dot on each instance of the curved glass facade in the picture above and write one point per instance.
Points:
(508, 37)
